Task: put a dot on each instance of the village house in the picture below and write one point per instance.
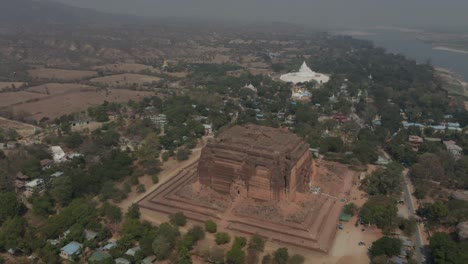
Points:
(132, 251)
(46, 163)
(34, 185)
(71, 249)
(453, 148)
(89, 235)
(415, 142)
(159, 120)
(20, 182)
(57, 174)
(122, 261)
(58, 155)
(148, 260)
(99, 256)
(208, 129)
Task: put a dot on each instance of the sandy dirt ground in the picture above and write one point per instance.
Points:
(126, 67)
(126, 79)
(12, 98)
(23, 129)
(41, 105)
(59, 88)
(60, 74)
(9, 85)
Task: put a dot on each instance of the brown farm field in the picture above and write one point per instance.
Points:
(24, 130)
(126, 67)
(61, 74)
(60, 88)
(8, 85)
(126, 79)
(13, 98)
(77, 99)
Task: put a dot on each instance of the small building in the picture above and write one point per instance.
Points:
(159, 120)
(148, 260)
(382, 161)
(74, 155)
(339, 117)
(37, 184)
(208, 129)
(58, 154)
(80, 122)
(453, 148)
(122, 261)
(109, 246)
(71, 249)
(99, 256)
(57, 174)
(132, 251)
(46, 163)
(415, 142)
(53, 242)
(89, 235)
(250, 87)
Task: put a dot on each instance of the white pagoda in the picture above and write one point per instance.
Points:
(305, 74)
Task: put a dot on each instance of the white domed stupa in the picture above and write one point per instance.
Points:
(305, 74)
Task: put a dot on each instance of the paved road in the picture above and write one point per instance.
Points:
(410, 203)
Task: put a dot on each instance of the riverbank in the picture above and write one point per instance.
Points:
(450, 49)
(454, 83)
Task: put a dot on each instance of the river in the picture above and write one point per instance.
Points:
(407, 44)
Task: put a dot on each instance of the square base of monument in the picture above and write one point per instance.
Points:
(308, 222)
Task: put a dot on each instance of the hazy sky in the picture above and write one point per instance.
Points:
(411, 13)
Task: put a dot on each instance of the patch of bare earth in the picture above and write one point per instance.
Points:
(11, 85)
(60, 74)
(60, 88)
(125, 67)
(14, 98)
(60, 104)
(126, 79)
(24, 130)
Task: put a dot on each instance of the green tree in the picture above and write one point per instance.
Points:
(210, 227)
(296, 259)
(281, 256)
(134, 211)
(178, 219)
(222, 238)
(331, 144)
(10, 206)
(385, 181)
(386, 246)
(111, 212)
(74, 140)
(235, 256)
(445, 250)
(12, 233)
(267, 259)
(62, 189)
(380, 210)
(182, 154)
(434, 212)
(256, 243)
(161, 248)
(240, 242)
(197, 233)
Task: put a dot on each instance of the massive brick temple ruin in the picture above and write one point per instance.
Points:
(257, 162)
(257, 180)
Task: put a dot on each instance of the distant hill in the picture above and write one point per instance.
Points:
(48, 12)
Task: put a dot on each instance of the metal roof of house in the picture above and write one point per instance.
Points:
(72, 248)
